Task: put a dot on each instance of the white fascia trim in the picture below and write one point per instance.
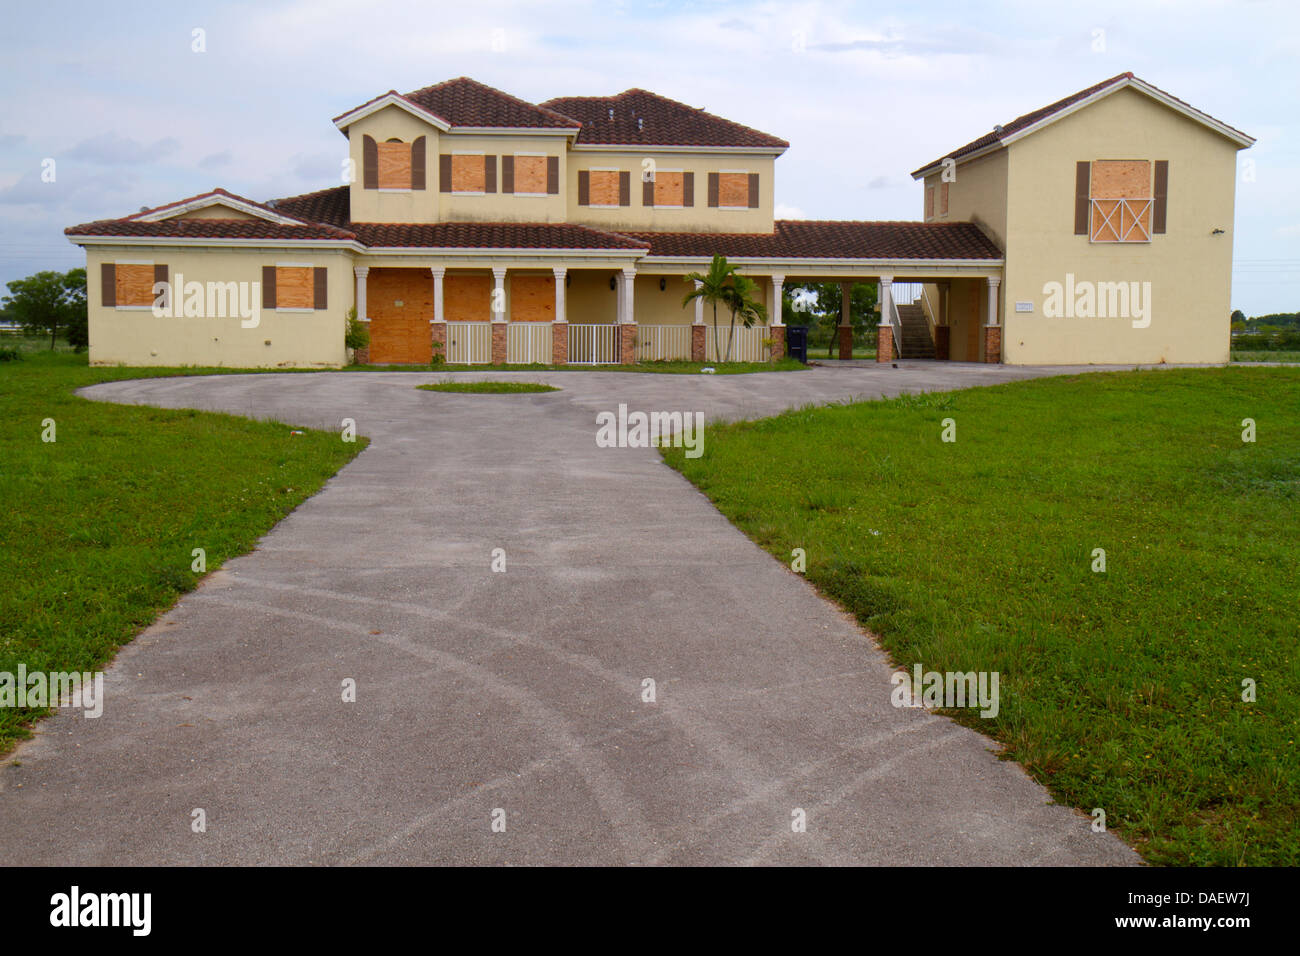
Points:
(1191, 112)
(215, 199)
(795, 267)
(513, 131)
(324, 244)
(390, 99)
(644, 148)
(480, 251)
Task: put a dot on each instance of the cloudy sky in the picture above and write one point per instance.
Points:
(116, 95)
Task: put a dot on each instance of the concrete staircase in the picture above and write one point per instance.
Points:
(917, 343)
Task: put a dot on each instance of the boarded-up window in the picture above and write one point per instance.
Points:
(669, 188)
(602, 188)
(394, 165)
(468, 174)
(530, 174)
(1121, 200)
(532, 298)
(295, 287)
(467, 298)
(733, 190)
(929, 202)
(133, 284)
(943, 199)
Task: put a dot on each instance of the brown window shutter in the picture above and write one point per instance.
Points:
(1161, 196)
(507, 174)
(625, 188)
(369, 163)
(753, 190)
(320, 295)
(444, 173)
(584, 187)
(647, 192)
(160, 272)
(713, 190)
(489, 174)
(268, 287)
(1082, 194)
(688, 189)
(417, 164)
(553, 175)
(108, 284)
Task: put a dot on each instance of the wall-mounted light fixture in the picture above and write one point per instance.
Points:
(663, 284)
(612, 284)
(568, 280)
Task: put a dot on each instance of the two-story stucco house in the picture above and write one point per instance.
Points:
(487, 229)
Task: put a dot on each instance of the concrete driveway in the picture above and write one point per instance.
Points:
(519, 691)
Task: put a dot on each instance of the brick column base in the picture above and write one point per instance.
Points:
(697, 343)
(993, 344)
(777, 335)
(361, 356)
(498, 343)
(438, 339)
(884, 343)
(846, 342)
(559, 343)
(627, 344)
(941, 339)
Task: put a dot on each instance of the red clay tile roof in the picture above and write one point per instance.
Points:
(330, 206)
(490, 235)
(641, 118)
(218, 191)
(207, 229)
(1029, 119)
(805, 239)
(466, 102)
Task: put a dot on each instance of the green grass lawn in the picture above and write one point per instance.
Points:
(100, 524)
(488, 388)
(1272, 356)
(1120, 690)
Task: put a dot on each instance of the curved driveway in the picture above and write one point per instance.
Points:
(519, 690)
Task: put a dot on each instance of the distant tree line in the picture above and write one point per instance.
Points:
(1274, 332)
(49, 303)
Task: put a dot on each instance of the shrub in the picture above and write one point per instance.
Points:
(357, 336)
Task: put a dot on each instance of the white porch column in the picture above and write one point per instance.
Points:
(776, 318)
(886, 300)
(560, 273)
(993, 317)
(846, 290)
(498, 293)
(699, 305)
(361, 272)
(438, 273)
(629, 279)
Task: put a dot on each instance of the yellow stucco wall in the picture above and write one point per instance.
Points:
(374, 205)
(697, 218)
(287, 339)
(978, 194)
(1188, 268)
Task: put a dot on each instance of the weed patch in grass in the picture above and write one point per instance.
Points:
(488, 388)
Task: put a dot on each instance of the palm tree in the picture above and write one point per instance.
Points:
(722, 284)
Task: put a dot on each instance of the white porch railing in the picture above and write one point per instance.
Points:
(469, 343)
(592, 344)
(747, 347)
(528, 343)
(1120, 220)
(663, 343)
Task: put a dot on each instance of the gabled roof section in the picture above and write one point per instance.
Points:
(330, 206)
(215, 197)
(1022, 126)
(822, 239)
(208, 229)
(640, 118)
(463, 103)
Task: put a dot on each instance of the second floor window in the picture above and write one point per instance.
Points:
(470, 173)
(1120, 200)
(392, 164)
(670, 188)
(607, 188)
(733, 189)
(530, 174)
